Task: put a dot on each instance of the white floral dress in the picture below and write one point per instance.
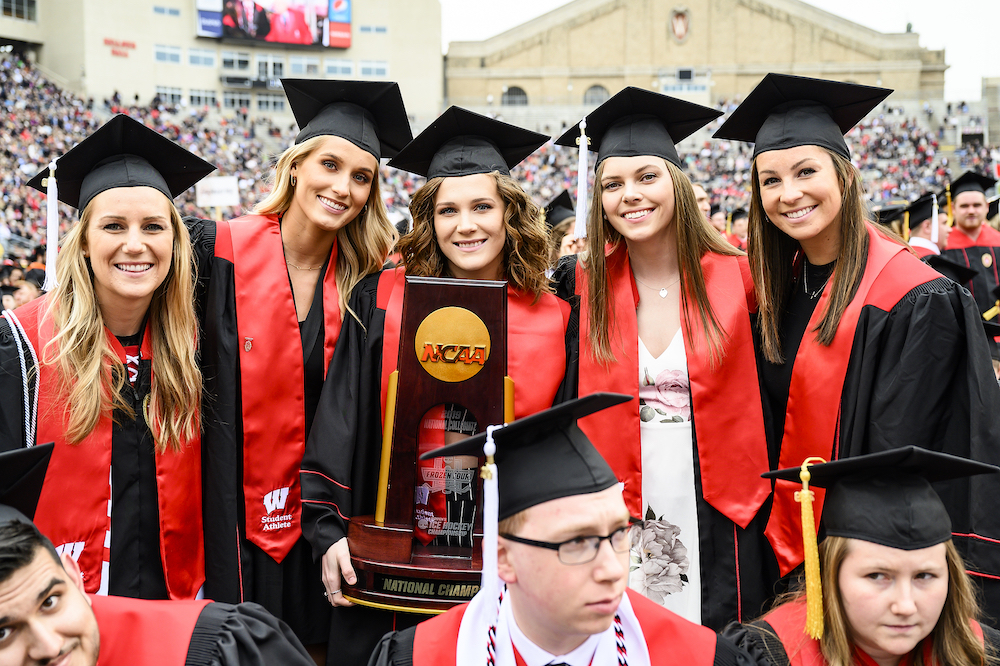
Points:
(665, 565)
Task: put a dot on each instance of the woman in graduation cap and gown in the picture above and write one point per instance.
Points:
(862, 347)
(104, 365)
(664, 316)
(471, 220)
(885, 587)
(274, 294)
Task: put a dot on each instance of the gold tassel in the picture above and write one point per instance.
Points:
(729, 224)
(992, 312)
(814, 588)
(906, 226)
(947, 194)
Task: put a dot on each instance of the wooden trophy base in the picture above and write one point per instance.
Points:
(398, 574)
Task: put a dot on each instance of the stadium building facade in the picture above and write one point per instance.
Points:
(557, 67)
(230, 53)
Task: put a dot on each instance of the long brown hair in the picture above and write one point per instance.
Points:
(694, 238)
(525, 254)
(362, 244)
(772, 256)
(955, 642)
(91, 374)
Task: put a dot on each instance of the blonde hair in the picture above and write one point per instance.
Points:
(694, 238)
(84, 358)
(556, 235)
(955, 642)
(772, 253)
(525, 254)
(363, 244)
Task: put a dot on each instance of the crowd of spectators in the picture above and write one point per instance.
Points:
(898, 157)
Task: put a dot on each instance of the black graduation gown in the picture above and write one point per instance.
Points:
(138, 633)
(981, 256)
(292, 590)
(738, 568)
(136, 567)
(918, 374)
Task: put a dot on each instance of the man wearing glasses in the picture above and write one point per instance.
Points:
(563, 565)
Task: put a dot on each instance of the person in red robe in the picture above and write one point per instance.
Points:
(886, 587)
(555, 589)
(861, 346)
(470, 221)
(974, 243)
(273, 289)
(104, 366)
(664, 315)
(48, 617)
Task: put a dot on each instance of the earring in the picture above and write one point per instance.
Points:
(293, 180)
(364, 210)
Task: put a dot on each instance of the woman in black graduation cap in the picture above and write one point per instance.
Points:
(887, 586)
(861, 346)
(663, 315)
(104, 365)
(277, 283)
(471, 220)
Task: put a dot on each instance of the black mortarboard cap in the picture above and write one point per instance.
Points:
(921, 210)
(739, 214)
(369, 114)
(22, 472)
(886, 214)
(993, 208)
(786, 111)
(640, 122)
(971, 182)
(544, 456)
(461, 143)
(886, 497)
(7, 289)
(123, 153)
(559, 209)
(959, 273)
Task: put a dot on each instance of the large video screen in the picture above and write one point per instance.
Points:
(306, 22)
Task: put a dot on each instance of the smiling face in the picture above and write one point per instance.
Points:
(801, 195)
(45, 618)
(637, 194)
(469, 226)
(970, 210)
(892, 598)
(558, 606)
(333, 184)
(129, 240)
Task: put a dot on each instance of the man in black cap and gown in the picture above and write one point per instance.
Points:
(562, 592)
(47, 617)
(972, 242)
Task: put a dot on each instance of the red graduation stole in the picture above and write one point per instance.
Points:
(813, 413)
(536, 347)
(731, 441)
(145, 633)
(988, 237)
(270, 348)
(73, 507)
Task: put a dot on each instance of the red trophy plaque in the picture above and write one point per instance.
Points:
(420, 552)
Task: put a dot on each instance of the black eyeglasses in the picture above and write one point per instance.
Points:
(583, 549)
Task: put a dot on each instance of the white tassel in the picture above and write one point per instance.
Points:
(51, 228)
(934, 221)
(580, 230)
(491, 517)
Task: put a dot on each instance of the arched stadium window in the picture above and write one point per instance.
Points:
(514, 96)
(596, 95)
